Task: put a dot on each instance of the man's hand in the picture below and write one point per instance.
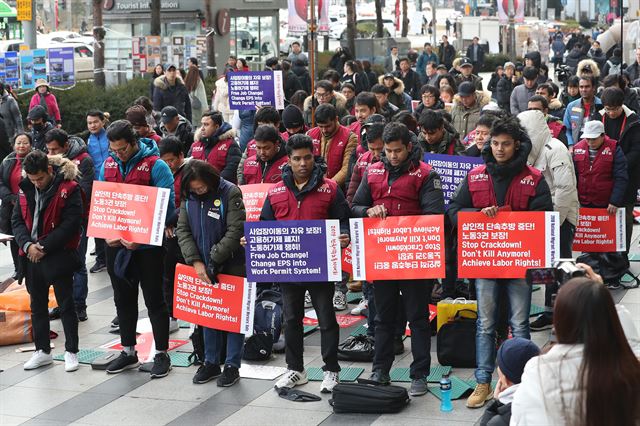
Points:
(113, 243)
(377, 211)
(35, 253)
(344, 240)
(201, 270)
(170, 232)
(490, 211)
(590, 273)
(129, 245)
(611, 209)
(243, 241)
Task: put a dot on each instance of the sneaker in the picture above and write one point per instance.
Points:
(82, 314)
(398, 345)
(70, 362)
(173, 325)
(292, 378)
(307, 300)
(206, 372)
(380, 377)
(329, 381)
(230, 377)
(54, 314)
(543, 322)
(481, 394)
(339, 301)
(364, 304)
(98, 267)
(38, 359)
(161, 365)
(115, 323)
(123, 362)
(613, 284)
(418, 387)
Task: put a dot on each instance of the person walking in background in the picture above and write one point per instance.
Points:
(10, 112)
(158, 71)
(197, 93)
(171, 91)
(44, 97)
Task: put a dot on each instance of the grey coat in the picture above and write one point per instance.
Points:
(520, 98)
(10, 113)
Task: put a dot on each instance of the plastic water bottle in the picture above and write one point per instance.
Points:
(445, 390)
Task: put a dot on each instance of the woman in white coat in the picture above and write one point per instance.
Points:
(591, 376)
(197, 94)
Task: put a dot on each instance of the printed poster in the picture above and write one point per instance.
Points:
(248, 90)
(11, 69)
(254, 197)
(297, 20)
(398, 248)
(61, 66)
(39, 64)
(293, 251)
(600, 232)
(26, 69)
(154, 52)
(452, 170)
(135, 213)
(507, 245)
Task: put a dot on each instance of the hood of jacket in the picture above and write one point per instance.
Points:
(339, 101)
(398, 87)
(595, 70)
(162, 83)
(63, 166)
(555, 104)
(535, 57)
(182, 123)
(450, 136)
(76, 147)
(412, 162)
(299, 70)
(319, 169)
(224, 132)
(536, 126)
(146, 147)
(513, 167)
(482, 99)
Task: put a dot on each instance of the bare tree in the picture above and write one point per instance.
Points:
(155, 18)
(405, 19)
(98, 46)
(351, 26)
(211, 48)
(379, 26)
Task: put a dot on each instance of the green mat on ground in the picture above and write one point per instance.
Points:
(634, 257)
(85, 356)
(349, 374)
(535, 288)
(535, 310)
(180, 359)
(309, 328)
(184, 324)
(361, 330)
(354, 297)
(473, 383)
(402, 374)
(459, 388)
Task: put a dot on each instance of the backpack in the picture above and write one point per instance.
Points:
(611, 266)
(368, 398)
(197, 340)
(614, 68)
(267, 326)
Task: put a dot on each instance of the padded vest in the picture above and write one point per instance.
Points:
(253, 171)
(217, 156)
(139, 175)
(595, 180)
(313, 206)
(521, 189)
(338, 144)
(402, 197)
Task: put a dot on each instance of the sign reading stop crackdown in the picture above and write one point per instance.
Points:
(135, 213)
(398, 248)
(600, 232)
(507, 245)
(253, 197)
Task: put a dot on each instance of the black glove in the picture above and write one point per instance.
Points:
(212, 271)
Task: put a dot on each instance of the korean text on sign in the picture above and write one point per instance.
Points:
(600, 232)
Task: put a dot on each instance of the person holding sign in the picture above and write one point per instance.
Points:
(305, 194)
(265, 166)
(504, 183)
(137, 162)
(209, 229)
(400, 185)
(46, 223)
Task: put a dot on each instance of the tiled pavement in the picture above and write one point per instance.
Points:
(49, 396)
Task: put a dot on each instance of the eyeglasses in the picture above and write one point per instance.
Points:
(120, 150)
(428, 96)
(323, 94)
(612, 109)
(535, 109)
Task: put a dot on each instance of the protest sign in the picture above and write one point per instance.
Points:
(254, 197)
(347, 260)
(507, 245)
(248, 90)
(61, 66)
(599, 231)
(133, 212)
(226, 305)
(293, 251)
(452, 170)
(398, 248)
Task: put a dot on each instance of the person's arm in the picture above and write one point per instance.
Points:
(354, 183)
(21, 234)
(86, 179)
(231, 166)
(55, 110)
(341, 176)
(187, 243)
(158, 103)
(267, 211)
(187, 105)
(513, 100)
(362, 200)
(17, 116)
(161, 177)
(567, 125)
(230, 242)
(542, 200)
(69, 226)
(564, 181)
(431, 195)
(620, 178)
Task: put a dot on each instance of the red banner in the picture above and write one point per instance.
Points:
(507, 245)
(346, 260)
(253, 197)
(227, 305)
(398, 248)
(600, 232)
(135, 213)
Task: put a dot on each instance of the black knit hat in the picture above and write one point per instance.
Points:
(292, 117)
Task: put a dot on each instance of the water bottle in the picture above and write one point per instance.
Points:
(445, 390)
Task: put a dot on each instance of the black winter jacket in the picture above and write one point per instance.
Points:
(7, 197)
(629, 142)
(504, 87)
(176, 96)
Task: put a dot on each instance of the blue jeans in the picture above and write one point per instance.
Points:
(80, 281)
(213, 343)
(518, 294)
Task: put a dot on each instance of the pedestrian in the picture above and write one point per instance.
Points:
(392, 62)
(10, 112)
(505, 86)
(427, 56)
(397, 95)
(46, 99)
(265, 116)
(40, 125)
(584, 109)
(529, 45)
(325, 94)
(466, 74)
(214, 142)
(417, 191)
(220, 100)
(352, 74)
(521, 94)
(557, 129)
(447, 26)
(171, 91)
(158, 71)
(136, 161)
(46, 223)
(297, 54)
(302, 74)
(209, 229)
(475, 53)
(387, 109)
(437, 136)
(466, 109)
(197, 93)
(493, 82)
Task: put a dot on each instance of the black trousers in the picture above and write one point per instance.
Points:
(172, 256)
(293, 305)
(416, 295)
(145, 269)
(628, 218)
(38, 290)
(100, 250)
(567, 231)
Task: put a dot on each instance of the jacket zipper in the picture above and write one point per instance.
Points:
(202, 233)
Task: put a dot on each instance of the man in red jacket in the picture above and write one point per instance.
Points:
(265, 166)
(216, 145)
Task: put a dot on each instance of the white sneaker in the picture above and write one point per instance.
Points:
(70, 362)
(38, 359)
(173, 325)
(364, 304)
(329, 381)
(292, 378)
(339, 301)
(307, 300)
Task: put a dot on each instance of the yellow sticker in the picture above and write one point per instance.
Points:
(216, 203)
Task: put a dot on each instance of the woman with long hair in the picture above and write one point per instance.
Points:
(197, 93)
(352, 74)
(591, 376)
(157, 72)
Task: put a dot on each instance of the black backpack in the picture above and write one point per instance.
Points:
(197, 340)
(611, 266)
(267, 326)
(368, 398)
(356, 348)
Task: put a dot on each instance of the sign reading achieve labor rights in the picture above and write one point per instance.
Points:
(293, 251)
(251, 89)
(398, 247)
(135, 213)
(226, 305)
(599, 231)
(452, 170)
(254, 197)
(507, 245)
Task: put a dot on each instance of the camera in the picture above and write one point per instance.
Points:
(563, 73)
(563, 271)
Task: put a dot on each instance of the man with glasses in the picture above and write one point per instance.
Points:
(558, 131)
(137, 161)
(325, 94)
